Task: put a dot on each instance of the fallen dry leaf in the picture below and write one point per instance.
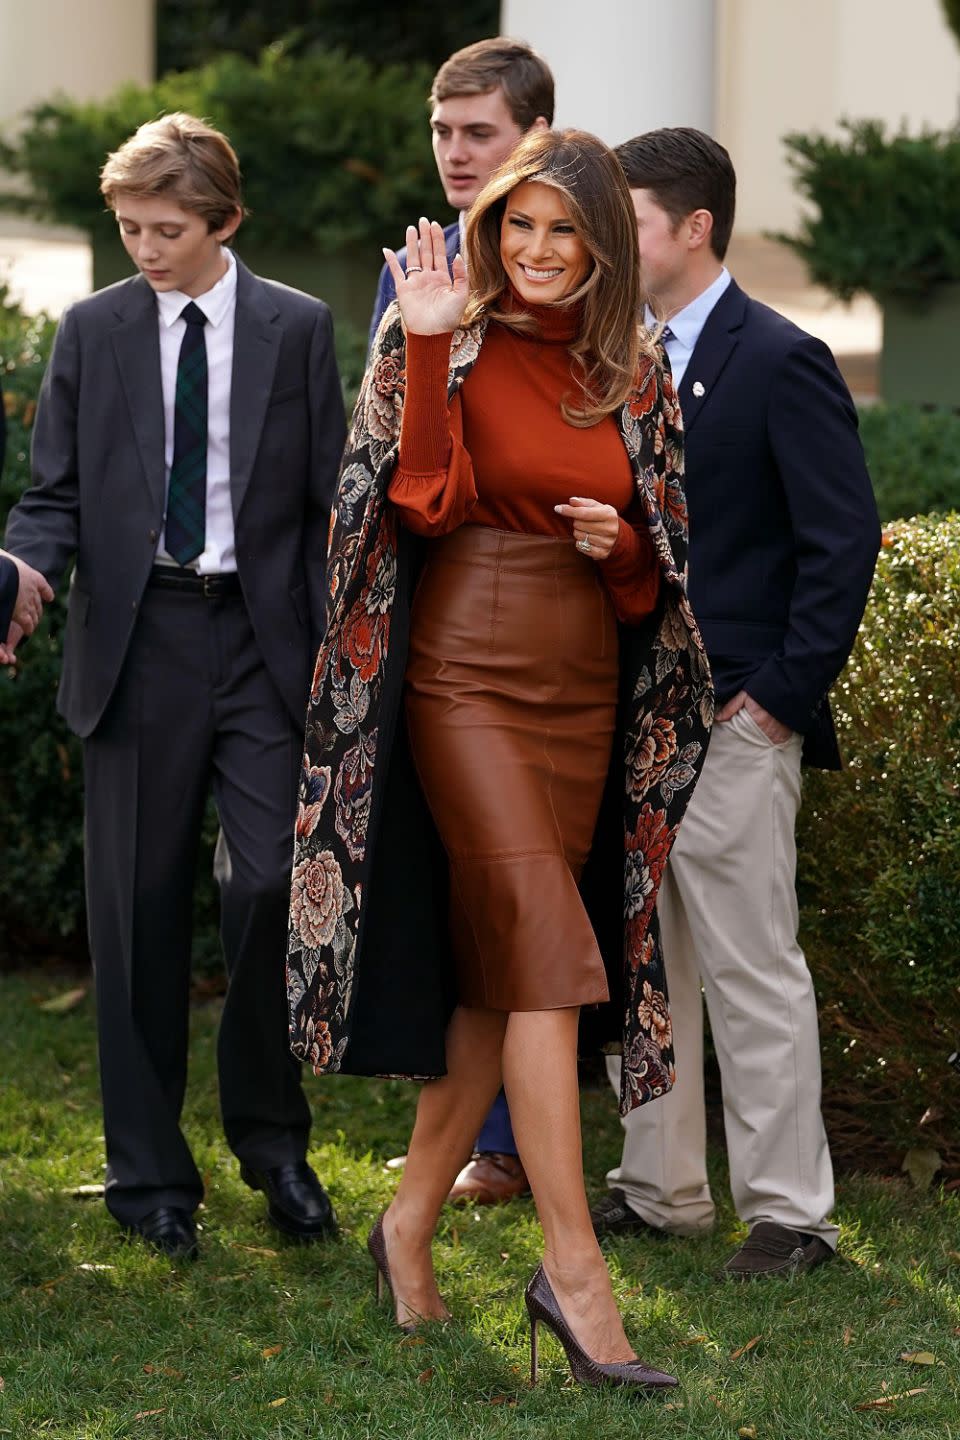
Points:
(282, 1400)
(271, 1350)
(3, 1384)
(918, 1357)
(145, 1414)
(747, 1432)
(256, 1250)
(50, 1284)
(409, 1341)
(167, 1370)
(954, 1255)
(64, 1002)
(885, 1401)
(847, 1334)
(502, 1400)
(921, 1163)
(744, 1348)
(425, 1376)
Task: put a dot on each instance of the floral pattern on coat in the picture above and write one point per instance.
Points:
(671, 711)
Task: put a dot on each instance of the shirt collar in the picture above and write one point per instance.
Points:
(688, 322)
(215, 303)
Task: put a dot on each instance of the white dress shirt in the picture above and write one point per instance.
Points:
(219, 305)
(686, 325)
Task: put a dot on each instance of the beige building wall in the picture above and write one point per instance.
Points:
(748, 71)
(623, 66)
(82, 48)
(784, 66)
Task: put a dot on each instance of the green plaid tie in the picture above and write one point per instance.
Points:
(187, 491)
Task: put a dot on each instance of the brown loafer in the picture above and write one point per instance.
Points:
(772, 1249)
(490, 1179)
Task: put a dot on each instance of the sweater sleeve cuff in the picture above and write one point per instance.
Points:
(621, 565)
(425, 430)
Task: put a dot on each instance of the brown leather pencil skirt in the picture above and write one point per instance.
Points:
(511, 705)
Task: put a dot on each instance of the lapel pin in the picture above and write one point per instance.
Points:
(698, 389)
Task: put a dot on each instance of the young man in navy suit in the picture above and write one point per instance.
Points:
(783, 540)
(185, 454)
(482, 100)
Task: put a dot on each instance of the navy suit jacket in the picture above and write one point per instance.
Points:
(387, 291)
(784, 531)
(9, 587)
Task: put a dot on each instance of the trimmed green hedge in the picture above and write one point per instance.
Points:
(914, 459)
(884, 210)
(335, 152)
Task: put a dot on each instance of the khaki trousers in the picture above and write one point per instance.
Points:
(728, 912)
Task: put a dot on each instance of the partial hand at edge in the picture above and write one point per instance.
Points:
(32, 594)
(8, 648)
(431, 302)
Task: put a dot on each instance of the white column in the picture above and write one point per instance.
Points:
(623, 66)
(84, 50)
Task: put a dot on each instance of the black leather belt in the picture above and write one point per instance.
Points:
(188, 582)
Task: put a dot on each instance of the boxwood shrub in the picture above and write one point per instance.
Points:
(879, 869)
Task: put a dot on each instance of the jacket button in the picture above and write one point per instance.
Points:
(153, 537)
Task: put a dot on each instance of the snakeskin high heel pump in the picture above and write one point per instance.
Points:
(377, 1246)
(542, 1307)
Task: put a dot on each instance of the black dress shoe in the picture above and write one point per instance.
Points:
(297, 1203)
(772, 1249)
(170, 1230)
(613, 1216)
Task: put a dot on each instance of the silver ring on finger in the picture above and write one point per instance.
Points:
(584, 544)
(413, 270)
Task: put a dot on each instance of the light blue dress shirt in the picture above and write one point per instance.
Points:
(686, 325)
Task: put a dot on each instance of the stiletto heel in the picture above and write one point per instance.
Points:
(542, 1305)
(377, 1246)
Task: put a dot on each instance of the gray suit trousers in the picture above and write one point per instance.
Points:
(194, 709)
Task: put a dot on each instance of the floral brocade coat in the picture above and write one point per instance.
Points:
(369, 969)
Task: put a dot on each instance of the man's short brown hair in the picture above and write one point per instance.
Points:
(684, 170)
(180, 156)
(523, 76)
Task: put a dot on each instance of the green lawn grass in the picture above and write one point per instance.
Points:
(95, 1334)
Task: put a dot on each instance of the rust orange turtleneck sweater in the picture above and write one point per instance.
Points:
(502, 454)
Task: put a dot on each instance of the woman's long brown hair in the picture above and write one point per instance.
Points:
(588, 176)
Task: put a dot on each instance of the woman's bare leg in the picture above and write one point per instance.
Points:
(540, 1078)
(449, 1115)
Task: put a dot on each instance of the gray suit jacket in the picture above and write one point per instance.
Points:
(98, 489)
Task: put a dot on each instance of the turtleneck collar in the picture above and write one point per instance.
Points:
(557, 324)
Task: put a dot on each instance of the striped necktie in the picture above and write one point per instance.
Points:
(187, 491)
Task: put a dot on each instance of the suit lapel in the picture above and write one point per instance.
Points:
(717, 342)
(136, 345)
(256, 348)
